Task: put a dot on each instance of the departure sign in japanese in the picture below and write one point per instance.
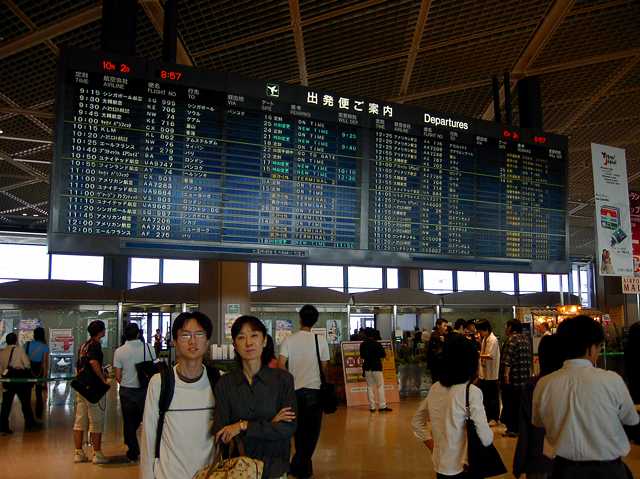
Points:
(166, 160)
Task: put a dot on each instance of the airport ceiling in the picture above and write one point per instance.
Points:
(439, 54)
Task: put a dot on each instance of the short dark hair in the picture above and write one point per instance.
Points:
(484, 325)
(460, 323)
(471, 322)
(38, 334)
(550, 354)
(11, 339)
(439, 321)
(95, 328)
(201, 318)
(578, 334)
(515, 325)
(461, 359)
(308, 315)
(131, 331)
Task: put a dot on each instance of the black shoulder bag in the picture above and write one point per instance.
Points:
(328, 398)
(86, 382)
(483, 461)
(146, 369)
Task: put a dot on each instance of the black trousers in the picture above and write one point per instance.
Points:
(511, 399)
(309, 418)
(23, 391)
(491, 399)
(566, 469)
(132, 405)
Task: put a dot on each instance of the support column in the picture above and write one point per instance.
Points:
(409, 278)
(223, 283)
(115, 273)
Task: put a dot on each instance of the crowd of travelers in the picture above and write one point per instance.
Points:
(572, 420)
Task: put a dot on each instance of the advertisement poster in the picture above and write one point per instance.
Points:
(613, 222)
(61, 341)
(634, 209)
(25, 330)
(334, 328)
(354, 382)
(284, 329)
(268, 323)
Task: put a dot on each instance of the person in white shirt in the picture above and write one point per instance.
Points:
(186, 444)
(489, 370)
(299, 350)
(439, 421)
(583, 408)
(132, 395)
(14, 356)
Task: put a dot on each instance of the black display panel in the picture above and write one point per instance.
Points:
(165, 160)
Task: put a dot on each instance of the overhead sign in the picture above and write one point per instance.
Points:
(613, 224)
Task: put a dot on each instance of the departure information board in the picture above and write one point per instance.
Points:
(165, 160)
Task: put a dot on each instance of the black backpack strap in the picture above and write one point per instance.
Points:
(167, 386)
(28, 346)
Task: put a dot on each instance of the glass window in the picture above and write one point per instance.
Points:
(437, 281)
(392, 277)
(470, 281)
(181, 271)
(325, 276)
(253, 276)
(140, 285)
(554, 283)
(78, 268)
(24, 261)
(530, 283)
(575, 278)
(281, 274)
(145, 270)
(361, 278)
(503, 282)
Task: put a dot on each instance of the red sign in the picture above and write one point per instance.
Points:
(634, 209)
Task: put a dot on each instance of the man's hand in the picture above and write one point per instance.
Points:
(429, 444)
(227, 433)
(285, 414)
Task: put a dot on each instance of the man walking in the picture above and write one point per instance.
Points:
(13, 356)
(583, 409)
(516, 359)
(132, 394)
(489, 371)
(435, 349)
(372, 353)
(299, 350)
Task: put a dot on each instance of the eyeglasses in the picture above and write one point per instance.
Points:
(197, 335)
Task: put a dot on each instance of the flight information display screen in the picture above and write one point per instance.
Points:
(165, 160)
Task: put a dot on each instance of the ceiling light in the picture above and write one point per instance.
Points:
(25, 214)
(1, 132)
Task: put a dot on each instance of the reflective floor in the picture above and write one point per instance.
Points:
(354, 444)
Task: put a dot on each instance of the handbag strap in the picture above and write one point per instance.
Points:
(10, 357)
(144, 351)
(322, 379)
(467, 408)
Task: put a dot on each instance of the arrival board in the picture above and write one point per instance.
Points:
(165, 160)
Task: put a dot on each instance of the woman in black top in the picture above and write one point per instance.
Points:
(256, 404)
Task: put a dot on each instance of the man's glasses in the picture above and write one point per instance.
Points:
(197, 335)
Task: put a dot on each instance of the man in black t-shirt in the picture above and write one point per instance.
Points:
(372, 353)
(90, 359)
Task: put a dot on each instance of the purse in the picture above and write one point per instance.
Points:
(241, 467)
(87, 384)
(483, 461)
(328, 397)
(146, 369)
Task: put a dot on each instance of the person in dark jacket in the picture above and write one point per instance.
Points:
(631, 361)
(529, 457)
(372, 353)
(256, 403)
(435, 348)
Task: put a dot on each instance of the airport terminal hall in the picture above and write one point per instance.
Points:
(319, 239)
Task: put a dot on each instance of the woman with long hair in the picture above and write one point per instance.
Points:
(256, 404)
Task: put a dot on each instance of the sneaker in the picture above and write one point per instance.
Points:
(133, 458)
(99, 458)
(385, 409)
(372, 410)
(80, 456)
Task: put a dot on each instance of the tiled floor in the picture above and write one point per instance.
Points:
(355, 444)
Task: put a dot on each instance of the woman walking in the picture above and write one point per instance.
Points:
(444, 409)
(256, 404)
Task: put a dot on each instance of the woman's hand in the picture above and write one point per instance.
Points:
(285, 414)
(227, 433)
(429, 444)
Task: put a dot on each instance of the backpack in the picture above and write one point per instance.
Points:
(167, 387)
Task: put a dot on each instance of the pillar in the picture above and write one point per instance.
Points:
(409, 278)
(224, 289)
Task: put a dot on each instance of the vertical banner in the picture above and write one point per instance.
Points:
(354, 382)
(634, 209)
(613, 223)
